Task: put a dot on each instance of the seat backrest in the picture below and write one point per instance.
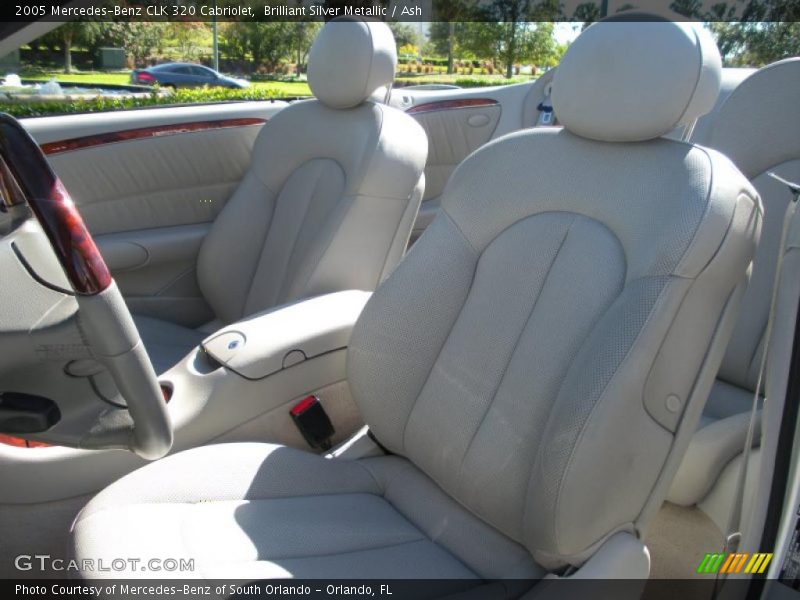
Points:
(537, 349)
(330, 197)
(758, 128)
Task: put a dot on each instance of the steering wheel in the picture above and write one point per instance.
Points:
(105, 322)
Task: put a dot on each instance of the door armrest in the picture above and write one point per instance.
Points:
(281, 337)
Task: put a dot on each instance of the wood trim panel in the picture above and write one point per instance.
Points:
(17, 442)
(451, 105)
(54, 209)
(127, 135)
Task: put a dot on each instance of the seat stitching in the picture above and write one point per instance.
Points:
(333, 223)
(444, 212)
(419, 527)
(599, 317)
(346, 552)
(104, 509)
(159, 293)
(270, 223)
(449, 332)
(516, 343)
(422, 536)
(584, 427)
(266, 237)
(677, 269)
(311, 201)
(381, 488)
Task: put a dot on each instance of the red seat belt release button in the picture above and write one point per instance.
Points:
(313, 422)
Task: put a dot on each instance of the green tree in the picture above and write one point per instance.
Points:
(756, 44)
(750, 33)
(764, 31)
(445, 36)
(266, 43)
(542, 49)
(587, 12)
(498, 41)
(480, 40)
(140, 40)
(438, 36)
(512, 15)
(233, 42)
(302, 35)
(689, 8)
(187, 35)
(405, 34)
(520, 38)
(450, 16)
(70, 35)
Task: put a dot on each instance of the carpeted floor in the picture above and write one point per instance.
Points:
(678, 540)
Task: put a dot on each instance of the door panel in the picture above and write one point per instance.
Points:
(155, 271)
(459, 121)
(159, 180)
(149, 183)
(455, 129)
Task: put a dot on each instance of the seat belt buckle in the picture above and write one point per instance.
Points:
(313, 422)
(732, 542)
(545, 115)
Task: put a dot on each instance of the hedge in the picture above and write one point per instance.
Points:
(22, 109)
(40, 108)
(464, 82)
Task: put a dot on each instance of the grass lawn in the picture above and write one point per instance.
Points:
(88, 78)
(287, 88)
(291, 88)
(462, 79)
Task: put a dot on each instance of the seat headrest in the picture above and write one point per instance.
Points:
(634, 77)
(349, 60)
(757, 125)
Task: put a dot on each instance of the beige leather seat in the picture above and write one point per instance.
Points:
(328, 202)
(528, 363)
(758, 127)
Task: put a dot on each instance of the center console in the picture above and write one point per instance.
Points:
(237, 385)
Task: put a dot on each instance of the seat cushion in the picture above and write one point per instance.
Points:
(720, 436)
(166, 343)
(266, 511)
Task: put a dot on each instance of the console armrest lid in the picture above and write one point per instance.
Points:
(267, 342)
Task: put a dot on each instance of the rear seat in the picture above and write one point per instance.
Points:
(731, 78)
(758, 127)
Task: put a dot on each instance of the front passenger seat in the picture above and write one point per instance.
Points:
(530, 364)
(758, 128)
(328, 201)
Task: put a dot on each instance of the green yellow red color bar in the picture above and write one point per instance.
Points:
(735, 562)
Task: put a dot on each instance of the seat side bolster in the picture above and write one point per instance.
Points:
(711, 448)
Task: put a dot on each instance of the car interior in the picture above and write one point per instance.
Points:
(526, 324)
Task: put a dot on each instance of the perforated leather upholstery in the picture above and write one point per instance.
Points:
(329, 199)
(349, 61)
(758, 127)
(584, 294)
(530, 359)
(271, 511)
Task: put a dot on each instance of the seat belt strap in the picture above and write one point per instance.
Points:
(733, 535)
